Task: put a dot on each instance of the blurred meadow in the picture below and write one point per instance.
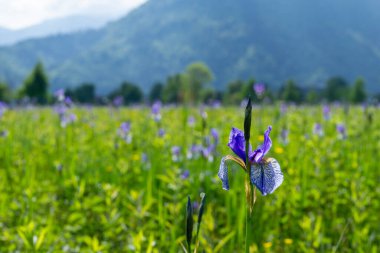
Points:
(125, 126)
(95, 184)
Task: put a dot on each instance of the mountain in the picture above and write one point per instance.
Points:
(273, 41)
(55, 26)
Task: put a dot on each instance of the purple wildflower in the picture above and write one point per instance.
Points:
(191, 121)
(60, 95)
(265, 174)
(144, 157)
(156, 108)
(3, 133)
(259, 89)
(161, 132)
(207, 153)
(215, 135)
(125, 132)
(326, 112)
(185, 174)
(193, 152)
(175, 153)
(195, 206)
(318, 130)
(68, 102)
(117, 101)
(341, 131)
(284, 135)
(283, 108)
(68, 119)
(3, 108)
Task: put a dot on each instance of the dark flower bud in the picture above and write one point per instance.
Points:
(189, 223)
(247, 120)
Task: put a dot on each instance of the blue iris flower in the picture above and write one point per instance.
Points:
(265, 173)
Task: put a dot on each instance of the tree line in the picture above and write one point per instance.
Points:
(192, 86)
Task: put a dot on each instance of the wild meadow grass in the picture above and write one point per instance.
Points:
(83, 188)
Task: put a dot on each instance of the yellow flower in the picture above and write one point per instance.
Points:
(135, 157)
(261, 138)
(279, 150)
(288, 241)
(267, 245)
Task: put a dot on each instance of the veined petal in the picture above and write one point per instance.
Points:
(223, 174)
(223, 169)
(266, 175)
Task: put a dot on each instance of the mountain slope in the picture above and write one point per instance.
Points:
(55, 26)
(273, 41)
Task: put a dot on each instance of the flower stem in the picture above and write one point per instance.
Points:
(248, 214)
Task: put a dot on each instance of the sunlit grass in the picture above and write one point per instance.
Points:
(83, 189)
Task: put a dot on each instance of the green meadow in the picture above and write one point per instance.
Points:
(84, 188)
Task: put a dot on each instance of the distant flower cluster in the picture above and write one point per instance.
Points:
(3, 108)
(207, 150)
(62, 108)
(124, 132)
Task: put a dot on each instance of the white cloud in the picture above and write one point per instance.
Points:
(21, 13)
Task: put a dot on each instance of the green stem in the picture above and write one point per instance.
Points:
(249, 217)
(250, 202)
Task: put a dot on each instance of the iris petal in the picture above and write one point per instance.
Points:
(266, 175)
(261, 151)
(223, 174)
(237, 143)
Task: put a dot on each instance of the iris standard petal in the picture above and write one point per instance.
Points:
(237, 143)
(266, 175)
(261, 151)
(223, 174)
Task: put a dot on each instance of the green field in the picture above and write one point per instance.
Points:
(82, 188)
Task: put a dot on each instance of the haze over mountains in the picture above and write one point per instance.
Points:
(64, 25)
(273, 41)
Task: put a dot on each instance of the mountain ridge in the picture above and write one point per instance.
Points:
(273, 42)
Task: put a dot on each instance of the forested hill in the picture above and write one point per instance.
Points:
(276, 40)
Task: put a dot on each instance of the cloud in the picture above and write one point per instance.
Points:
(22, 13)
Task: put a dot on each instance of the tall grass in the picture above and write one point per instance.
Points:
(83, 189)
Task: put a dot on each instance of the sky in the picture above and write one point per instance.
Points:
(15, 14)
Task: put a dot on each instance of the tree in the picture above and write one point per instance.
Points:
(84, 93)
(130, 93)
(291, 92)
(235, 92)
(173, 91)
(36, 85)
(247, 90)
(156, 92)
(5, 93)
(336, 89)
(358, 94)
(198, 75)
(312, 96)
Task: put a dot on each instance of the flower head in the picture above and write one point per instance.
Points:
(125, 131)
(265, 173)
(156, 108)
(318, 130)
(259, 89)
(191, 121)
(117, 101)
(60, 95)
(326, 112)
(341, 129)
